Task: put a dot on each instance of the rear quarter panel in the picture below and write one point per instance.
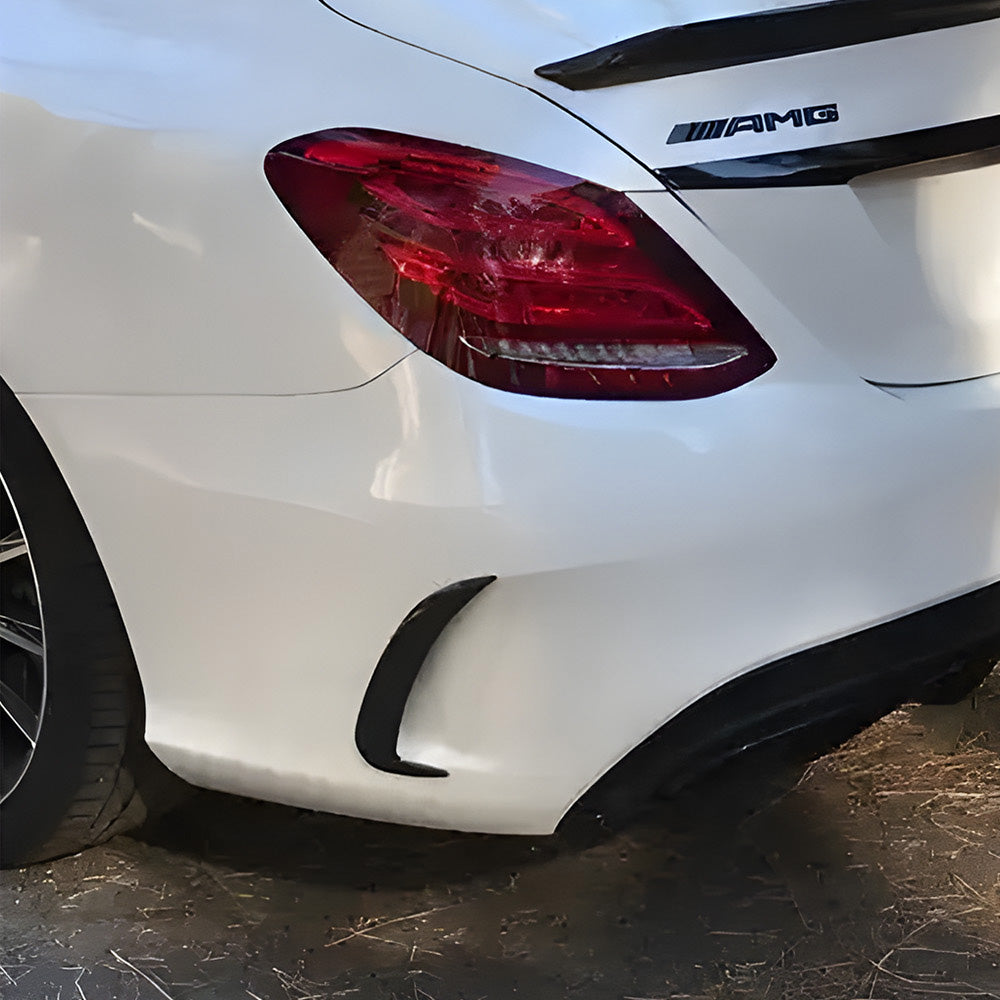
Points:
(143, 250)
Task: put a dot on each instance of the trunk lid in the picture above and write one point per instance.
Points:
(847, 152)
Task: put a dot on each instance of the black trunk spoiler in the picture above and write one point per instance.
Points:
(750, 38)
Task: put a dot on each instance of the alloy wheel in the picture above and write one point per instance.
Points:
(22, 649)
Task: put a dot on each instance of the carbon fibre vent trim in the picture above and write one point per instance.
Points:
(377, 730)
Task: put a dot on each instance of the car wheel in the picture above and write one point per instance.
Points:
(74, 769)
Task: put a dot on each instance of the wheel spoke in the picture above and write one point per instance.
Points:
(19, 624)
(19, 712)
(14, 633)
(26, 626)
(23, 681)
(12, 546)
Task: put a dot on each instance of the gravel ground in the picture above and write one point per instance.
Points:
(877, 876)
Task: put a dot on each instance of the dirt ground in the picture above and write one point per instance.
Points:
(877, 876)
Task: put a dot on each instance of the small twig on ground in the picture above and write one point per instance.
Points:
(965, 885)
(806, 776)
(152, 982)
(941, 951)
(379, 924)
(952, 831)
(825, 968)
(930, 982)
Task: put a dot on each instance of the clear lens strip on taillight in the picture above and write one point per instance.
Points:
(514, 275)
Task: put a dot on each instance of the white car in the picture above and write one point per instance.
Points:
(454, 413)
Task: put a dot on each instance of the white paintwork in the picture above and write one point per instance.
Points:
(265, 537)
(533, 32)
(895, 85)
(898, 271)
(146, 251)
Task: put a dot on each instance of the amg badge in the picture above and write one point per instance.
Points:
(818, 114)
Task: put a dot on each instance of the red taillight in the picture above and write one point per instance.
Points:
(514, 275)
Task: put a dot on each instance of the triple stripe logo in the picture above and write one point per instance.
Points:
(719, 128)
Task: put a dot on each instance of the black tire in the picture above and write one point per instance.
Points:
(90, 775)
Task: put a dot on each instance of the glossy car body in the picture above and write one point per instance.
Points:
(274, 477)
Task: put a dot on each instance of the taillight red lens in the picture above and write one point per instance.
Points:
(514, 275)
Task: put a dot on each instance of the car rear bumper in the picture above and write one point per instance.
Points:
(810, 702)
(264, 550)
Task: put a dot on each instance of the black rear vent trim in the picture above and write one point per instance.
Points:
(377, 730)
